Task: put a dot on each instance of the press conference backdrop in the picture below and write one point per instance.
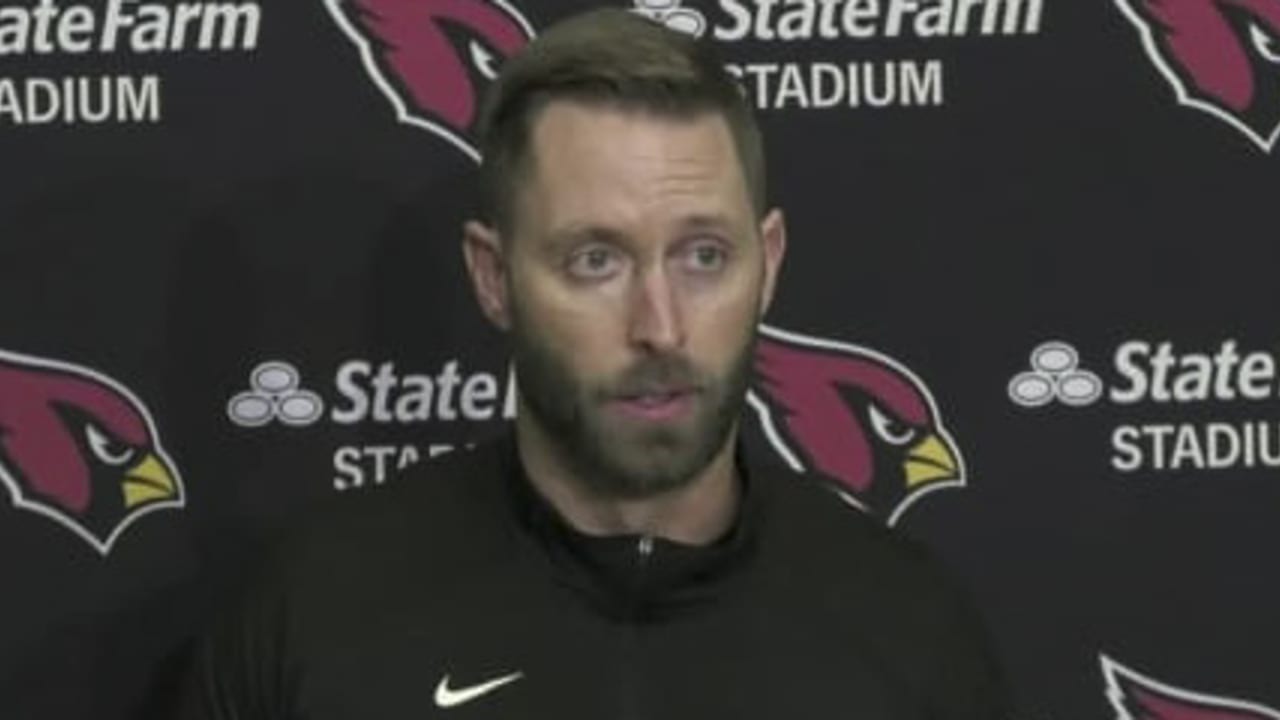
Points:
(1028, 315)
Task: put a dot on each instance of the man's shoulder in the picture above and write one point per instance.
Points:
(827, 538)
(429, 494)
(450, 509)
(871, 580)
(881, 590)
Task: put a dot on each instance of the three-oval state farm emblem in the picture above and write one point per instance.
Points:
(1137, 697)
(79, 448)
(855, 417)
(1221, 57)
(431, 58)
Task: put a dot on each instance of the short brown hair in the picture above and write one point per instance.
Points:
(615, 58)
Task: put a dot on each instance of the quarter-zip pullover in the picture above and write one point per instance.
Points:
(459, 592)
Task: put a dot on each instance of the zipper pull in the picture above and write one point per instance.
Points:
(644, 547)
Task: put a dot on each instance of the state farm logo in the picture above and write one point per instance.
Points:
(275, 394)
(1163, 383)
(855, 417)
(79, 448)
(378, 394)
(433, 58)
(669, 12)
(1137, 697)
(103, 33)
(1220, 56)
(858, 54)
(1055, 374)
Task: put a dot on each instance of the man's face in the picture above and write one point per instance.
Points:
(634, 279)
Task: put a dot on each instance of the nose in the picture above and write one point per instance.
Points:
(655, 323)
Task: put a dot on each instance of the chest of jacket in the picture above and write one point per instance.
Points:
(523, 649)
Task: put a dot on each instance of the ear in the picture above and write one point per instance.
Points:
(487, 266)
(773, 233)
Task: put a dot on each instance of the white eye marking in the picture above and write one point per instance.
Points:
(1266, 43)
(483, 60)
(109, 451)
(893, 432)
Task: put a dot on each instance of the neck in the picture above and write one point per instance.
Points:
(697, 513)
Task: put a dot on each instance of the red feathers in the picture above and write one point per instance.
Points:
(855, 417)
(428, 55)
(79, 448)
(1136, 697)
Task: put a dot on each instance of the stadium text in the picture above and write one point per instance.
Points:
(905, 83)
(72, 100)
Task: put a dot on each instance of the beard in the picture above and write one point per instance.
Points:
(618, 457)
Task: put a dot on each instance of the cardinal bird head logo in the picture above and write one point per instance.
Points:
(432, 58)
(1221, 56)
(1136, 697)
(80, 449)
(855, 417)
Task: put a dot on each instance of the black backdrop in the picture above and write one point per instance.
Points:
(1090, 183)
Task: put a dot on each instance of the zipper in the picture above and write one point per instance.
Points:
(632, 704)
(644, 550)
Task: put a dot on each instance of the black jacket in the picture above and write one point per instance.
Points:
(459, 593)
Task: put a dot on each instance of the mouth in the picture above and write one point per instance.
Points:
(656, 404)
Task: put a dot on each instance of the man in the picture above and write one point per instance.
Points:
(615, 556)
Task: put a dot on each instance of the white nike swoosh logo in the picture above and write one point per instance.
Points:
(448, 697)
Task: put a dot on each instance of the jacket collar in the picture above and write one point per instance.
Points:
(635, 577)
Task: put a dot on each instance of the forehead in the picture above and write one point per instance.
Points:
(597, 162)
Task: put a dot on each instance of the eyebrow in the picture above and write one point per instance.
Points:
(705, 222)
(561, 240)
(583, 233)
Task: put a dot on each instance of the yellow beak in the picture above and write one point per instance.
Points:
(930, 460)
(148, 481)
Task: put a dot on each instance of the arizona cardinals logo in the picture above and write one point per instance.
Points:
(80, 449)
(854, 416)
(430, 57)
(1136, 697)
(1221, 56)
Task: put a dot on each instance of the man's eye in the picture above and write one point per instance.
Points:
(706, 257)
(593, 263)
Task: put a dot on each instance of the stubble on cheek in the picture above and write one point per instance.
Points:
(612, 454)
